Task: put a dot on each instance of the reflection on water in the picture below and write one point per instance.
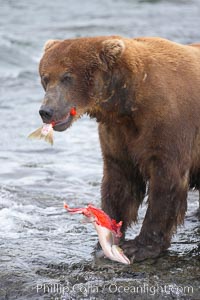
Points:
(36, 178)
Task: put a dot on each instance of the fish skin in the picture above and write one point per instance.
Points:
(119, 255)
(107, 240)
(108, 236)
(45, 132)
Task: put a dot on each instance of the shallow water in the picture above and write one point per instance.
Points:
(39, 242)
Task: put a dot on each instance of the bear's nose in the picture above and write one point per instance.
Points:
(46, 113)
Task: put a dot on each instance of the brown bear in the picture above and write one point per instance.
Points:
(145, 94)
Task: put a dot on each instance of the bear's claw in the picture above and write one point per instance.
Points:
(137, 252)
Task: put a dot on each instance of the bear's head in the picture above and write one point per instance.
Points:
(82, 74)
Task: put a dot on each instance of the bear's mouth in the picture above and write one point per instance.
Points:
(63, 124)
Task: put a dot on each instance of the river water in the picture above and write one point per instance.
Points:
(40, 244)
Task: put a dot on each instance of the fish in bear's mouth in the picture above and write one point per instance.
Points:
(46, 131)
(63, 124)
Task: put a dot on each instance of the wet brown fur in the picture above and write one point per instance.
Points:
(145, 94)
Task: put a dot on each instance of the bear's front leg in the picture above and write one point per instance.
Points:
(166, 209)
(122, 191)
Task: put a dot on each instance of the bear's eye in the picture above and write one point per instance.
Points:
(66, 78)
(44, 81)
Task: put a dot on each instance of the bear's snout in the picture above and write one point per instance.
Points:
(46, 113)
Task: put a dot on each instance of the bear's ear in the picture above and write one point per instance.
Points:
(49, 44)
(111, 51)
